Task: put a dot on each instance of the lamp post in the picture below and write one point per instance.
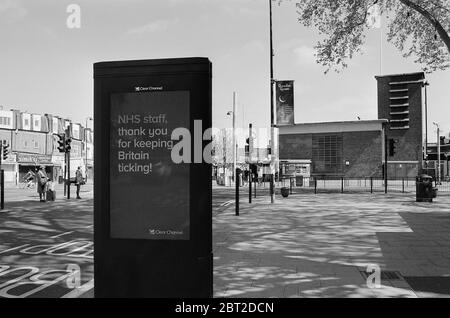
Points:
(272, 115)
(85, 146)
(425, 85)
(233, 113)
(438, 145)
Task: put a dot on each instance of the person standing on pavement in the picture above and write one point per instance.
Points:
(79, 180)
(42, 183)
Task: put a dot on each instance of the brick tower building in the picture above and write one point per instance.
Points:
(400, 101)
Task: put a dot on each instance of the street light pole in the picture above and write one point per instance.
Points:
(425, 84)
(272, 116)
(438, 145)
(234, 146)
(234, 138)
(85, 147)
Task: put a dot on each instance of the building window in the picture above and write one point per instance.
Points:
(36, 123)
(25, 144)
(36, 144)
(26, 123)
(327, 154)
(6, 121)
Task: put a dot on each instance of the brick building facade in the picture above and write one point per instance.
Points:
(335, 149)
(356, 149)
(400, 101)
(32, 142)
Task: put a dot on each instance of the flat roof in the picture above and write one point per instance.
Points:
(333, 127)
(402, 74)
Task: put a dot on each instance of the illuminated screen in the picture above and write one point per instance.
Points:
(149, 194)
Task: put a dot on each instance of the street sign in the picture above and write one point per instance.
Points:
(153, 226)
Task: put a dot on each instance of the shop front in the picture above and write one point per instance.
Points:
(31, 162)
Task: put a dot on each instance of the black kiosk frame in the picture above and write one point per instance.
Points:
(128, 264)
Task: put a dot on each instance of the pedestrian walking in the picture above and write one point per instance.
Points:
(42, 180)
(79, 181)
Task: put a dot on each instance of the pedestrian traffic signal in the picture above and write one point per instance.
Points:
(61, 142)
(392, 147)
(67, 144)
(5, 150)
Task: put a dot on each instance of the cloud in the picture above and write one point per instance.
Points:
(305, 55)
(12, 9)
(253, 47)
(155, 26)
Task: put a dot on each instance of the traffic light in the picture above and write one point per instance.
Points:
(67, 144)
(61, 142)
(442, 140)
(247, 146)
(5, 150)
(392, 147)
(254, 169)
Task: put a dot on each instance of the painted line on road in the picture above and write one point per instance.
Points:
(227, 203)
(80, 290)
(14, 248)
(59, 235)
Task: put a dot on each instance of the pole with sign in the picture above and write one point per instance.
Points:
(285, 102)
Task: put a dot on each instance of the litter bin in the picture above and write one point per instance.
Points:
(425, 192)
(285, 192)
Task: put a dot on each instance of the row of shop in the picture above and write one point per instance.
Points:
(18, 165)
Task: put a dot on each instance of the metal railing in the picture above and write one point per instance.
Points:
(369, 184)
(344, 185)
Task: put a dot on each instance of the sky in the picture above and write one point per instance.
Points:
(46, 67)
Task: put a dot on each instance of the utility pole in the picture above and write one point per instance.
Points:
(386, 149)
(68, 174)
(224, 156)
(438, 145)
(426, 84)
(85, 148)
(249, 163)
(234, 138)
(272, 115)
(234, 146)
(67, 148)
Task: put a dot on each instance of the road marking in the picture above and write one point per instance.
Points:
(14, 248)
(80, 290)
(56, 236)
(227, 203)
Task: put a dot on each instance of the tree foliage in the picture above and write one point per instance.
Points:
(418, 28)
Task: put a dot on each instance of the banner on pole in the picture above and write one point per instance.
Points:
(284, 94)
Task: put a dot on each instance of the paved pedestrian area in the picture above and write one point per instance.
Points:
(320, 245)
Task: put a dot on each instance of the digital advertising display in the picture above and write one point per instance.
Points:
(149, 194)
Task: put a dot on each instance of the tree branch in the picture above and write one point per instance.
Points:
(434, 22)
